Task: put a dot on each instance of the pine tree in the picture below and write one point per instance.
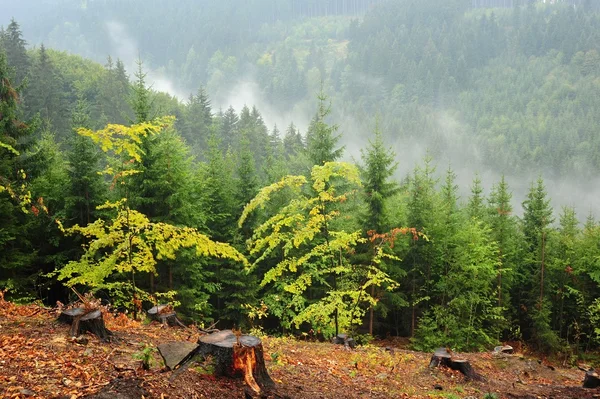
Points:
(419, 259)
(140, 96)
(321, 138)
(114, 93)
(16, 251)
(476, 206)
(86, 188)
(504, 232)
(275, 166)
(537, 219)
(292, 142)
(45, 94)
(16, 52)
(562, 267)
(229, 131)
(379, 166)
(197, 121)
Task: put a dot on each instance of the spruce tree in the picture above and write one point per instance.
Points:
(419, 259)
(228, 129)
(379, 166)
(16, 52)
(140, 100)
(45, 94)
(292, 141)
(537, 219)
(322, 139)
(476, 207)
(86, 188)
(16, 250)
(197, 121)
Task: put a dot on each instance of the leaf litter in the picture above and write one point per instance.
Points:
(39, 359)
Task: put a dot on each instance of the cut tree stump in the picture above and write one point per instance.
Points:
(166, 315)
(444, 357)
(83, 321)
(235, 355)
(505, 349)
(591, 380)
(343, 339)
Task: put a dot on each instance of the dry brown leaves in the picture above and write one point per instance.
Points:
(37, 356)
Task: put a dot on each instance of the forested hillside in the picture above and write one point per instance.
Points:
(111, 186)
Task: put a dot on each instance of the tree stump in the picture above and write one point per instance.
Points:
(83, 321)
(591, 380)
(165, 315)
(343, 339)
(504, 349)
(237, 355)
(444, 357)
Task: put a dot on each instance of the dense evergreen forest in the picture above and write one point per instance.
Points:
(111, 186)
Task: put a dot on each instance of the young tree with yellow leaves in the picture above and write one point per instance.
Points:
(130, 243)
(314, 280)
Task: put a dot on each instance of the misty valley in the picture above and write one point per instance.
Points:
(299, 198)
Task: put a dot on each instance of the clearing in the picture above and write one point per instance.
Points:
(39, 359)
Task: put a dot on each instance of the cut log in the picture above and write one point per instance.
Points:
(173, 353)
(591, 380)
(165, 315)
(444, 357)
(343, 339)
(83, 321)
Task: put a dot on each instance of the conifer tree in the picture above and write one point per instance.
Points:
(505, 233)
(275, 165)
(197, 120)
(140, 95)
(561, 270)
(292, 141)
(419, 259)
(16, 52)
(16, 251)
(321, 138)
(229, 130)
(86, 188)
(476, 206)
(45, 95)
(379, 166)
(537, 219)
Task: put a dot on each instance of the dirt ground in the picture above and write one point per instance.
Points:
(38, 359)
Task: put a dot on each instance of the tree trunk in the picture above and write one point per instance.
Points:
(371, 312)
(83, 321)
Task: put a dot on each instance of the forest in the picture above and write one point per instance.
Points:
(355, 217)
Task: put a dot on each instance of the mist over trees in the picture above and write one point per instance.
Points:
(263, 225)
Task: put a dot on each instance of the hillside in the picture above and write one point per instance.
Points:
(432, 172)
(45, 363)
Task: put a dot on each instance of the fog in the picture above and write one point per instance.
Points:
(125, 48)
(454, 149)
